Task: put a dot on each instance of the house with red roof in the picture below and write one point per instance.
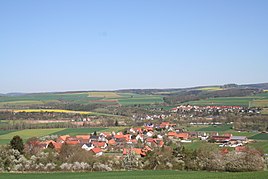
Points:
(101, 145)
(136, 151)
(96, 151)
(62, 138)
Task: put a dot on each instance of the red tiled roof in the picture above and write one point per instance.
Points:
(111, 142)
(48, 142)
(149, 128)
(119, 136)
(63, 137)
(150, 140)
(98, 144)
(182, 135)
(172, 134)
(57, 146)
(96, 150)
(135, 150)
(84, 137)
(72, 142)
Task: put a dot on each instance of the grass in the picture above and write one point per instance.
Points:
(6, 136)
(264, 111)
(236, 133)
(218, 128)
(222, 102)
(260, 145)
(77, 131)
(167, 174)
(137, 101)
(114, 129)
(260, 136)
(3, 132)
(51, 110)
(28, 133)
(19, 103)
(260, 103)
(195, 144)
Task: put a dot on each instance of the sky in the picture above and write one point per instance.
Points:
(63, 45)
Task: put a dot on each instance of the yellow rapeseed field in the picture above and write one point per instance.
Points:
(210, 89)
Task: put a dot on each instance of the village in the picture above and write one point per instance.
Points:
(141, 140)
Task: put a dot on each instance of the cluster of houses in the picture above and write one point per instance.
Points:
(140, 140)
(189, 108)
(212, 109)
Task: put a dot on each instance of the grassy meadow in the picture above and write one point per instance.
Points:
(28, 133)
(158, 174)
(265, 111)
(216, 128)
(77, 131)
(6, 136)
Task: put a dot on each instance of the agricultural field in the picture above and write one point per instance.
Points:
(260, 136)
(28, 133)
(212, 88)
(104, 95)
(141, 100)
(6, 136)
(260, 145)
(264, 111)
(196, 144)
(51, 110)
(159, 174)
(258, 100)
(216, 128)
(230, 101)
(108, 98)
(259, 103)
(77, 131)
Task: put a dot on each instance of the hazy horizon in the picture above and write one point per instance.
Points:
(52, 46)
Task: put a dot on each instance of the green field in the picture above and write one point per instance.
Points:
(222, 102)
(2, 132)
(216, 128)
(77, 131)
(138, 174)
(109, 98)
(264, 111)
(261, 136)
(260, 145)
(6, 136)
(196, 144)
(28, 133)
(258, 100)
(141, 100)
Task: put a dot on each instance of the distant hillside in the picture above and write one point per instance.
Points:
(258, 86)
(157, 91)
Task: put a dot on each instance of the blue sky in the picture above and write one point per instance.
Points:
(104, 44)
